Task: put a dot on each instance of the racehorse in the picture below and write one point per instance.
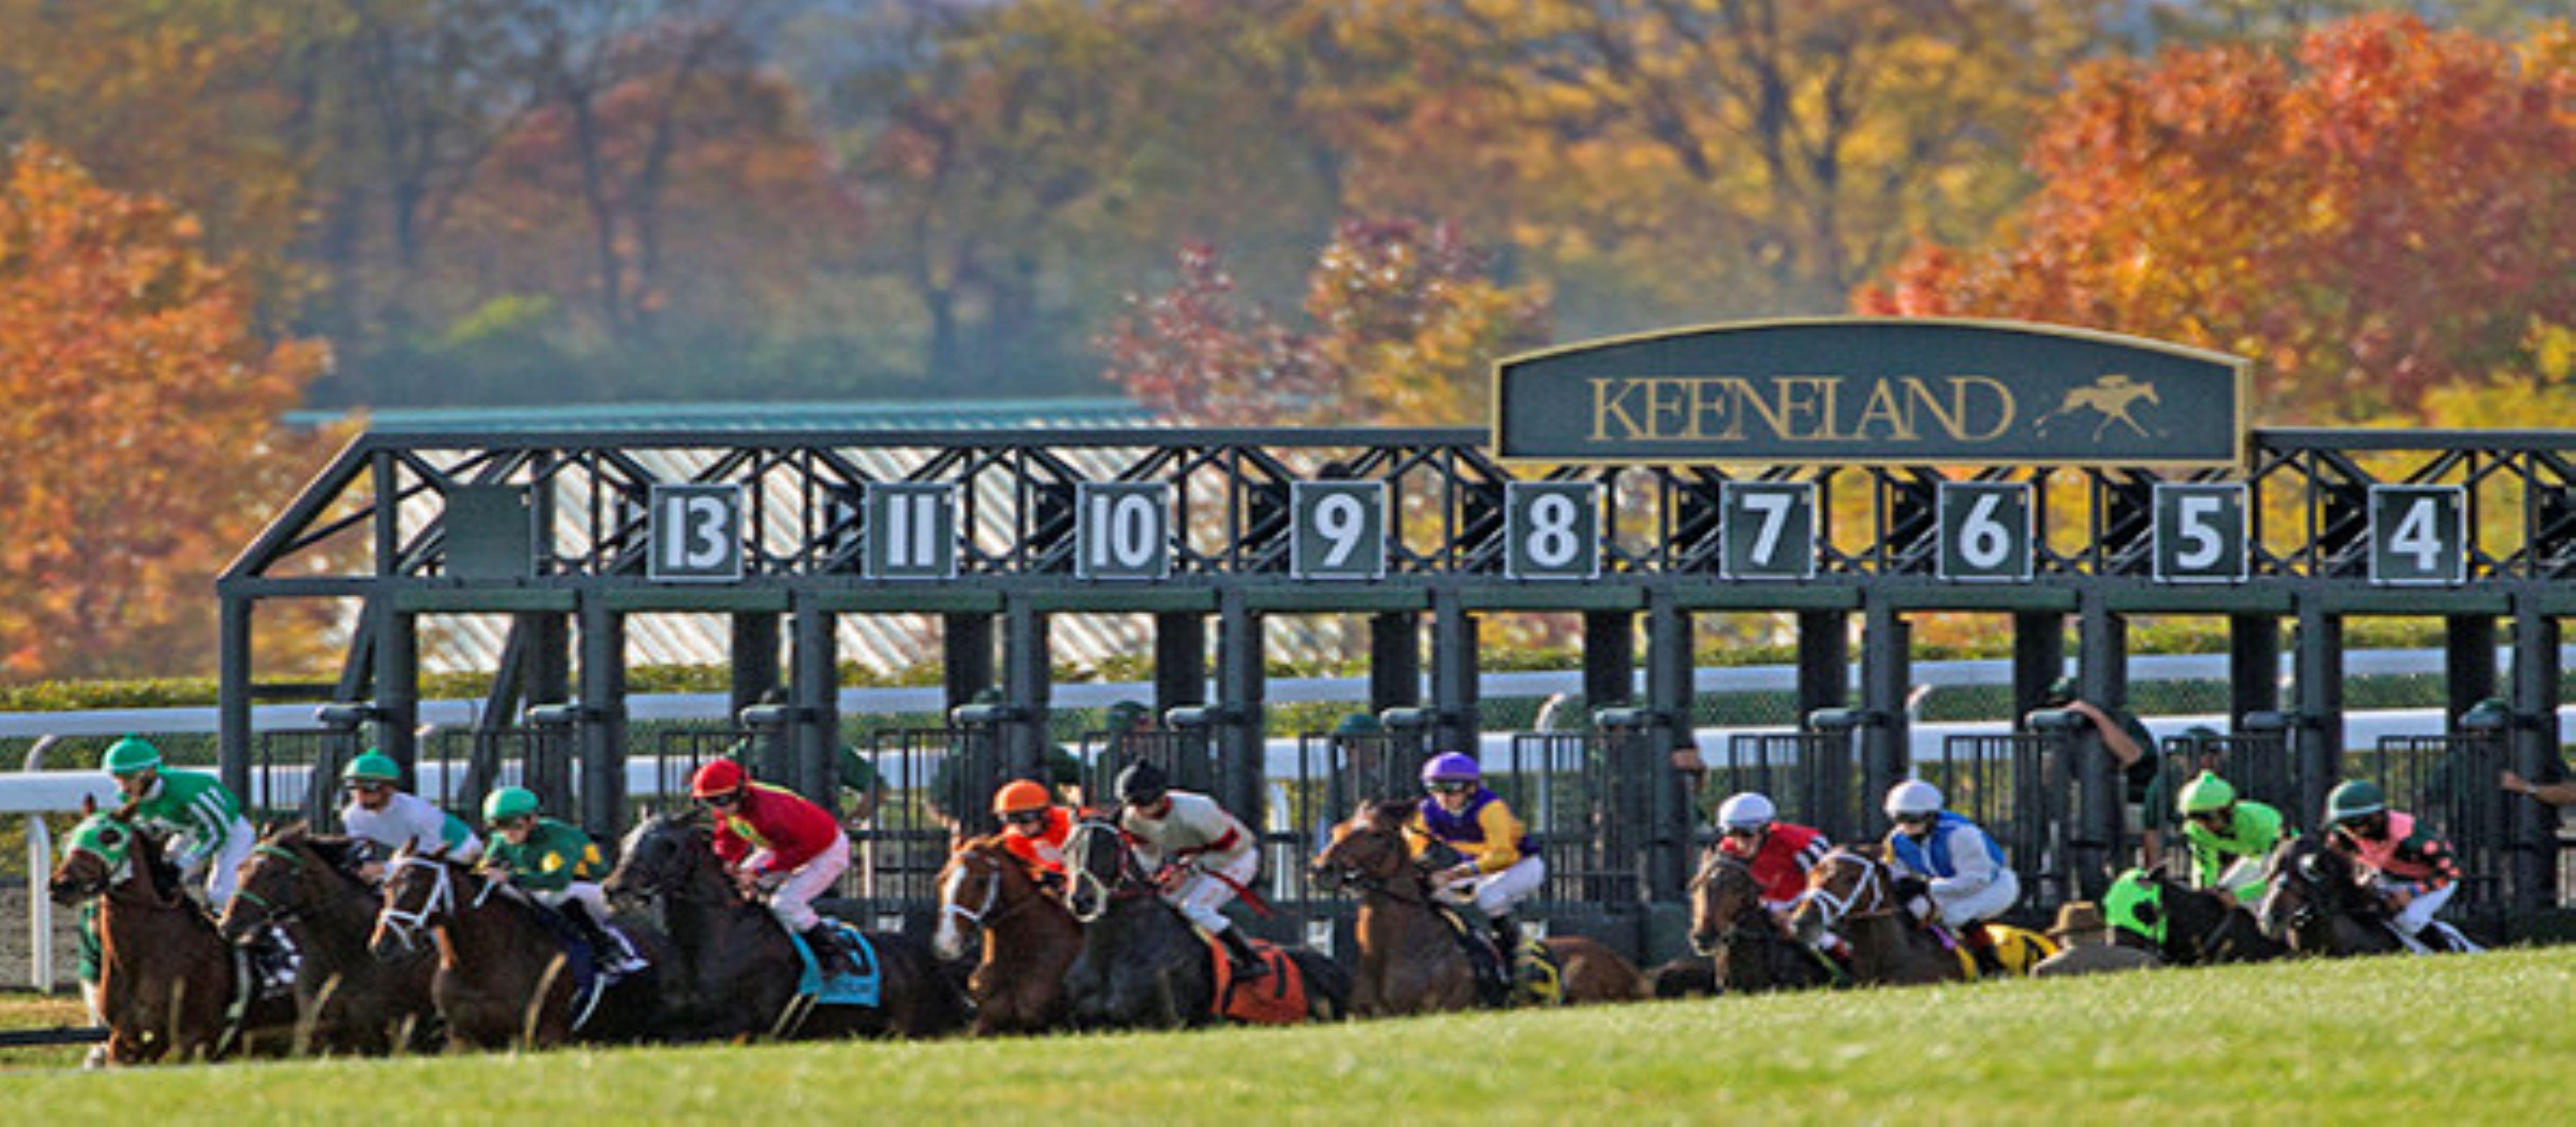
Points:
(1730, 925)
(1852, 891)
(169, 985)
(1029, 938)
(2194, 926)
(1142, 965)
(506, 974)
(347, 1000)
(740, 973)
(1411, 959)
(2313, 903)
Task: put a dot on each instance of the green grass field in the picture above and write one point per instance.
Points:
(2467, 1040)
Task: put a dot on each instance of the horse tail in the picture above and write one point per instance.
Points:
(1328, 986)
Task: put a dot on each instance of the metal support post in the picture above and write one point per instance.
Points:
(1395, 661)
(1241, 681)
(816, 697)
(1453, 675)
(603, 717)
(1028, 681)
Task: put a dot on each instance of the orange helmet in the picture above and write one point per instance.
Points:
(719, 776)
(1021, 795)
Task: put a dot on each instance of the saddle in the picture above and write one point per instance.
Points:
(1528, 976)
(1276, 998)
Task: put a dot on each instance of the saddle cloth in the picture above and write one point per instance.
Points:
(1276, 998)
(862, 987)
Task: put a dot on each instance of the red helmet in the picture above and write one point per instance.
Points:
(719, 776)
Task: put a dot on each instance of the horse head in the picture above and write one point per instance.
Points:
(1368, 850)
(979, 878)
(1098, 865)
(2306, 886)
(1724, 901)
(420, 897)
(669, 855)
(99, 854)
(1847, 883)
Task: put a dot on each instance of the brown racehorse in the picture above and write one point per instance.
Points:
(1410, 959)
(504, 973)
(1851, 892)
(1030, 939)
(1750, 950)
(2314, 904)
(348, 1000)
(168, 983)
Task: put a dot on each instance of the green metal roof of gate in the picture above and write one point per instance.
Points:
(1000, 414)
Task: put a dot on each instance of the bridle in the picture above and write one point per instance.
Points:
(982, 915)
(1379, 880)
(1869, 892)
(280, 914)
(408, 925)
(1753, 919)
(1079, 876)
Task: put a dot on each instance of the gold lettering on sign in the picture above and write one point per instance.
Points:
(1800, 409)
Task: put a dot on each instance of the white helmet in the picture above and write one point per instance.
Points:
(1913, 796)
(1746, 811)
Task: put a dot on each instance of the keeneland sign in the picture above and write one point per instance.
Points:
(1874, 391)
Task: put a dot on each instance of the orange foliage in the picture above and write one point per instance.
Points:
(2379, 216)
(141, 437)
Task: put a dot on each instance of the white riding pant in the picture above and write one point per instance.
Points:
(793, 901)
(1496, 893)
(2244, 873)
(588, 894)
(1983, 904)
(223, 870)
(1201, 893)
(2419, 911)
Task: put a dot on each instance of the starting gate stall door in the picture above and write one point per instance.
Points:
(1186, 758)
(1586, 807)
(461, 766)
(1811, 778)
(926, 779)
(2259, 768)
(297, 775)
(2449, 784)
(679, 749)
(2010, 784)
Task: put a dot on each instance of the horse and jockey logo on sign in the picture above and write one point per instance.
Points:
(2113, 397)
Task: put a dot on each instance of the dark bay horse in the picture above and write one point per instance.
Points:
(1411, 960)
(1029, 939)
(2194, 926)
(505, 977)
(2313, 903)
(1142, 965)
(739, 972)
(348, 1001)
(1751, 952)
(170, 986)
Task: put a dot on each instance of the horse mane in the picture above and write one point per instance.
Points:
(149, 860)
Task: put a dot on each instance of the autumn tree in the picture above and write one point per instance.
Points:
(142, 430)
(2381, 214)
(1406, 324)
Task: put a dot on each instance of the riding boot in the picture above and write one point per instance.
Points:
(605, 952)
(828, 957)
(1247, 962)
(1507, 943)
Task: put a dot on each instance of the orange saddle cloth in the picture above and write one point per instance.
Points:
(1276, 998)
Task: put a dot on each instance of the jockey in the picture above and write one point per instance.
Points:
(1779, 853)
(1962, 868)
(557, 865)
(381, 812)
(1501, 869)
(2412, 870)
(1216, 856)
(2231, 838)
(773, 838)
(203, 820)
(1034, 828)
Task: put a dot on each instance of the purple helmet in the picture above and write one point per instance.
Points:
(1451, 767)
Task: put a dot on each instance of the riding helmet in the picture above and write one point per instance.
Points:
(2358, 798)
(2207, 793)
(1141, 783)
(373, 767)
(129, 755)
(1451, 767)
(718, 776)
(1913, 796)
(509, 802)
(1020, 796)
(1746, 811)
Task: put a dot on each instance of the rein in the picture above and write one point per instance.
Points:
(1127, 885)
(1869, 890)
(408, 926)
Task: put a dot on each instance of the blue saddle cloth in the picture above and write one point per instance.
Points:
(588, 982)
(862, 987)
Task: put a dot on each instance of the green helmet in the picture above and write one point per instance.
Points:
(2207, 793)
(509, 802)
(2356, 799)
(373, 767)
(129, 755)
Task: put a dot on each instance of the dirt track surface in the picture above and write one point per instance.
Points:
(13, 940)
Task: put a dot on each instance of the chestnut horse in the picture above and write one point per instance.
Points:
(348, 1001)
(1030, 940)
(1751, 952)
(1411, 960)
(169, 985)
(505, 977)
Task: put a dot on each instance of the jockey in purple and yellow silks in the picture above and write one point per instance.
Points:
(1501, 869)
